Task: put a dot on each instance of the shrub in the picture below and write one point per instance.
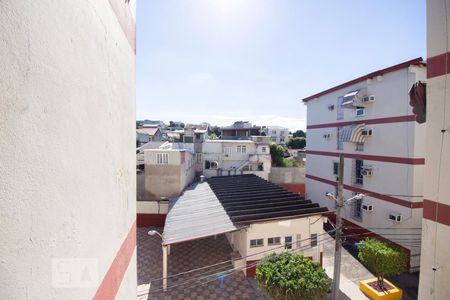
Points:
(292, 276)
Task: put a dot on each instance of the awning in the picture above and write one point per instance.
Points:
(354, 98)
(353, 134)
(196, 214)
(345, 134)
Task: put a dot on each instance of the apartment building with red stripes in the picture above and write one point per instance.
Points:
(435, 262)
(370, 120)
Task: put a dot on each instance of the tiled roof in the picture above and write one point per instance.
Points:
(249, 198)
(148, 130)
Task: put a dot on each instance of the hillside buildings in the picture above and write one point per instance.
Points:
(370, 121)
(435, 263)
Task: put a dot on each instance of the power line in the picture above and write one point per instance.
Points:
(231, 260)
(231, 271)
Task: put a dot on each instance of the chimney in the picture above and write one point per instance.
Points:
(202, 178)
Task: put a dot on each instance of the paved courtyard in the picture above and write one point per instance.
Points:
(184, 257)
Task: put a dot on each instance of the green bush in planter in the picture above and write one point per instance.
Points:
(292, 276)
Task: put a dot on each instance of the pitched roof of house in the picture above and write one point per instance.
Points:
(197, 213)
(415, 61)
(249, 198)
(151, 131)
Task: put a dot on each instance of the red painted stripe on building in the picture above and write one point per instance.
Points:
(437, 212)
(391, 159)
(386, 198)
(416, 61)
(410, 118)
(111, 282)
(147, 220)
(438, 65)
(123, 13)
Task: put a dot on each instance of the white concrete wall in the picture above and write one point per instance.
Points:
(304, 226)
(435, 235)
(67, 134)
(287, 175)
(152, 207)
(404, 140)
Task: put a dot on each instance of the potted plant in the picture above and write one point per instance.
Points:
(383, 260)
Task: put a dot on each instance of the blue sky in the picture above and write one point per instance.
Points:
(224, 60)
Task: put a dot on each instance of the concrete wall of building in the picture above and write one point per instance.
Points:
(68, 70)
(293, 227)
(277, 134)
(395, 152)
(435, 265)
(167, 180)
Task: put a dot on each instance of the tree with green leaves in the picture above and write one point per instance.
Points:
(291, 276)
(215, 130)
(382, 259)
(296, 143)
(277, 154)
(299, 133)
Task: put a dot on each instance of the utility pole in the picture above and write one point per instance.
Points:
(338, 236)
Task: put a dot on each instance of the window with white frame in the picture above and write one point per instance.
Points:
(288, 242)
(241, 149)
(256, 243)
(313, 242)
(340, 144)
(357, 208)
(227, 149)
(340, 110)
(360, 111)
(298, 240)
(162, 158)
(335, 168)
(273, 241)
(359, 147)
(264, 149)
(198, 157)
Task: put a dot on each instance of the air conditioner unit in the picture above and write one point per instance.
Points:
(331, 107)
(367, 207)
(327, 136)
(370, 98)
(395, 217)
(366, 132)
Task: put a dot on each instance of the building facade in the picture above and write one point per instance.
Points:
(277, 134)
(67, 204)
(435, 263)
(231, 157)
(167, 172)
(239, 130)
(370, 121)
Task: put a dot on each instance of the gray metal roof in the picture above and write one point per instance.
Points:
(196, 214)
